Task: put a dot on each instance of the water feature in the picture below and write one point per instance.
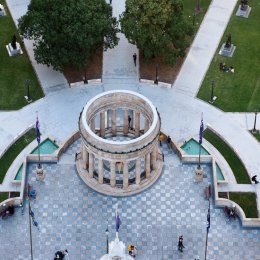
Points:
(220, 176)
(192, 147)
(18, 176)
(46, 147)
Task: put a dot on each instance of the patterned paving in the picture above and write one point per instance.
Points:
(72, 216)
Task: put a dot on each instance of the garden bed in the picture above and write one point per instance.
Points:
(239, 170)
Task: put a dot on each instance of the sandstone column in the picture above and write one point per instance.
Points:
(147, 165)
(102, 124)
(112, 174)
(153, 157)
(137, 123)
(125, 177)
(138, 171)
(91, 165)
(125, 123)
(100, 171)
(84, 155)
(113, 123)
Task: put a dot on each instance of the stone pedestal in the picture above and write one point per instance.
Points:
(227, 52)
(39, 173)
(12, 51)
(2, 10)
(243, 12)
(198, 174)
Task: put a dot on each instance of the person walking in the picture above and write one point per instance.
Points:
(254, 179)
(134, 58)
(169, 140)
(180, 244)
(110, 2)
(129, 122)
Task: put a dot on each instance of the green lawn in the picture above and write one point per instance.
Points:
(240, 91)
(256, 135)
(234, 162)
(10, 155)
(14, 70)
(247, 201)
(189, 8)
(3, 196)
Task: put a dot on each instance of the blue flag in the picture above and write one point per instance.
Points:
(208, 220)
(118, 222)
(31, 213)
(201, 131)
(38, 134)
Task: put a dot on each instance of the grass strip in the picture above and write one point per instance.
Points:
(9, 156)
(239, 91)
(15, 71)
(3, 196)
(230, 156)
(247, 201)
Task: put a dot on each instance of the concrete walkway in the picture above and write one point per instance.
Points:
(180, 110)
(118, 65)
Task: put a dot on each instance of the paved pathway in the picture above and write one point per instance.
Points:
(179, 109)
(118, 65)
(72, 216)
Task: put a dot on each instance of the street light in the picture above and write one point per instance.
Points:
(85, 74)
(107, 233)
(254, 130)
(156, 75)
(27, 84)
(193, 18)
(212, 98)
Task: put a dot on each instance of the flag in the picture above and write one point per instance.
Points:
(31, 213)
(118, 222)
(201, 131)
(38, 134)
(208, 220)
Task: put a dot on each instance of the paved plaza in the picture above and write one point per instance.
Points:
(72, 216)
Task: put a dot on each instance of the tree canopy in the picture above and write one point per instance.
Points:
(157, 27)
(68, 32)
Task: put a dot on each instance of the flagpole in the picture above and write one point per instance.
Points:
(207, 234)
(199, 156)
(30, 228)
(200, 138)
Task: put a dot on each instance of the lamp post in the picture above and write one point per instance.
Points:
(85, 74)
(156, 74)
(193, 18)
(254, 130)
(212, 92)
(27, 84)
(107, 233)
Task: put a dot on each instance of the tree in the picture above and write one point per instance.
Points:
(157, 27)
(68, 32)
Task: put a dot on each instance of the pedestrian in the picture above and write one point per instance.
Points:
(134, 58)
(254, 179)
(162, 156)
(129, 121)
(169, 141)
(110, 2)
(76, 156)
(180, 243)
(66, 254)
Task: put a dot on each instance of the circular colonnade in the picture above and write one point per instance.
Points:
(119, 153)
